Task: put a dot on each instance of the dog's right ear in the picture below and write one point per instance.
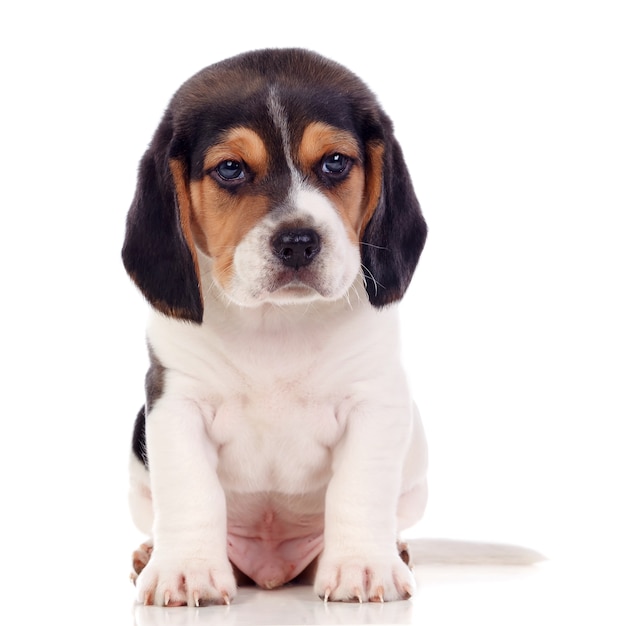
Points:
(159, 253)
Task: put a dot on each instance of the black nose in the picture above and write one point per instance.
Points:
(296, 248)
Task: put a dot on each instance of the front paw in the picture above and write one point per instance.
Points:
(362, 579)
(191, 582)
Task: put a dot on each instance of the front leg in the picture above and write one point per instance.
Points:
(360, 561)
(189, 563)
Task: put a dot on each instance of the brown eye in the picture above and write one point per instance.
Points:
(230, 171)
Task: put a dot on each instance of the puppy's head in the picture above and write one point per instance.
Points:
(280, 167)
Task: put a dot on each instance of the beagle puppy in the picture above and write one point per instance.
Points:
(273, 230)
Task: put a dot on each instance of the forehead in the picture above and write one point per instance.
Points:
(277, 95)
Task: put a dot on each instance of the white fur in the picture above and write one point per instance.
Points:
(256, 268)
(294, 397)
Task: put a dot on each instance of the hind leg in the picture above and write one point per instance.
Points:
(141, 556)
(140, 502)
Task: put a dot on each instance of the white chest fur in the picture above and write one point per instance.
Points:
(275, 388)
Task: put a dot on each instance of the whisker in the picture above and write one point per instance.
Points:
(346, 297)
(370, 276)
(356, 293)
(371, 245)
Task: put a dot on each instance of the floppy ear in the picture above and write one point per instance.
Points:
(394, 236)
(158, 253)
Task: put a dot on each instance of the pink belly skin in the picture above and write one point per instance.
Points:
(272, 551)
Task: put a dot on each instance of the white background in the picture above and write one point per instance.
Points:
(512, 119)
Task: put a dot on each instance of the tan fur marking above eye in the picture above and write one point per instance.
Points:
(239, 144)
(221, 217)
(320, 140)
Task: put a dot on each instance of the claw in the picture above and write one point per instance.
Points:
(147, 599)
(326, 595)
(166, 598)
(380, 595)
(226, 598)
(196, 598)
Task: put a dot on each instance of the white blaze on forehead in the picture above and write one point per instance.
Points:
(279, 117)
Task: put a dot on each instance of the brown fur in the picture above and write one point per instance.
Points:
(320, 140)
(221, 219)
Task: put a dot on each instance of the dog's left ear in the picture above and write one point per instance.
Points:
(394, 236)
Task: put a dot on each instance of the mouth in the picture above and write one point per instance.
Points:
(295, 287)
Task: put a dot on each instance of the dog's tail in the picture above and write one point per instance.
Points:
(452, 552)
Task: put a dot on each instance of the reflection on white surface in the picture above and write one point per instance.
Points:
(289, 605)
(541, 595)
(297, 604)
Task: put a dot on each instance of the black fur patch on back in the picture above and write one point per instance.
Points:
(154, 380)
(154, 390)
(139, 437)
